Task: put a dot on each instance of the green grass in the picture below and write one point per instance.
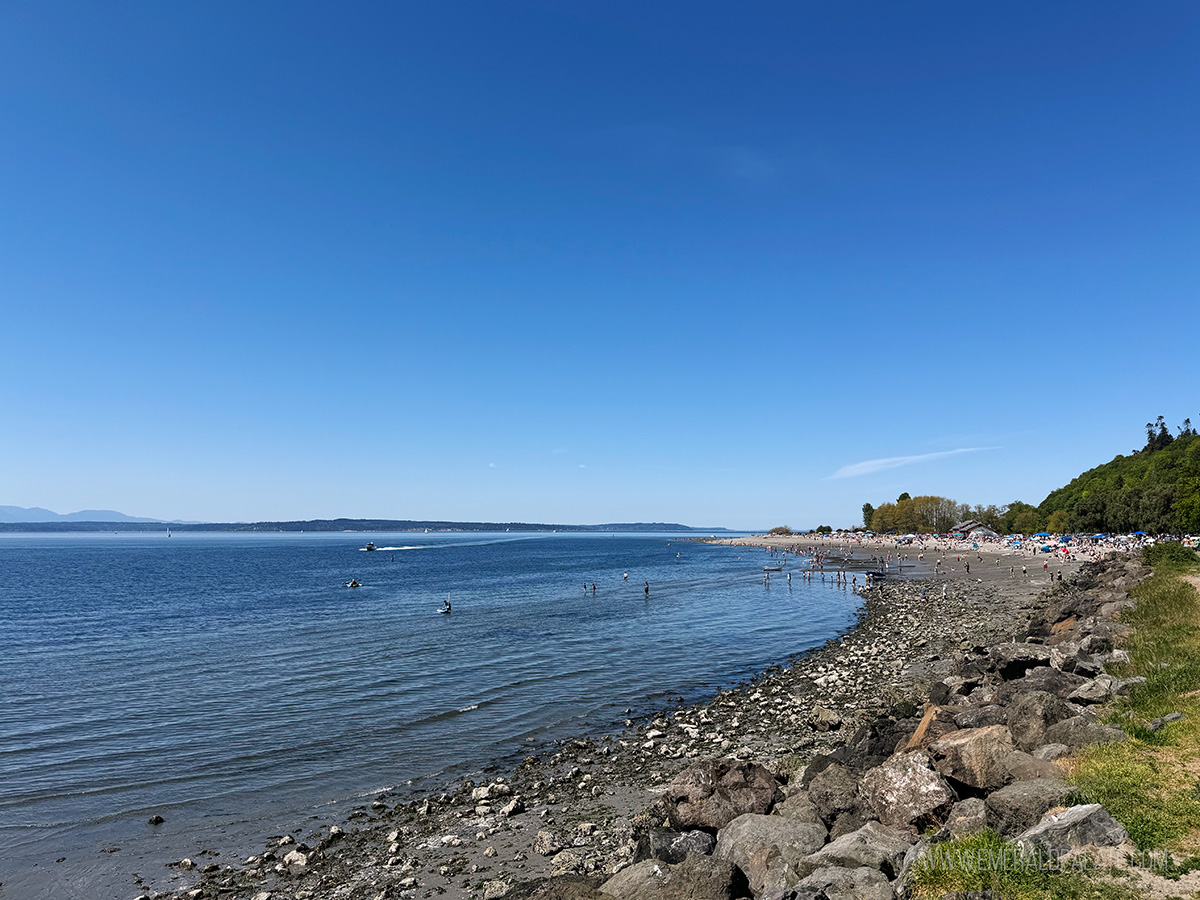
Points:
(984, 862)
(1141, 789)
(1148, 783)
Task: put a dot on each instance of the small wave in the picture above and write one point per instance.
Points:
(468, 708)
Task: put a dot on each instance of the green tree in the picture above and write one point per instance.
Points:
(1059, 522)
(867, 511)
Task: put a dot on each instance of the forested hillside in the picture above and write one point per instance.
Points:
(1155, 489)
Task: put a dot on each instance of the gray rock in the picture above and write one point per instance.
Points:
(1031, 715)
(845, 884)
(1051, 752)
(798, 807)
(1080, 731)
(902, 883)
(546, 844)
(1090, 692)
(849, 821)
(874, 846)
(974, 757)
(561, 887)
(673, 846)
(1052, 681)
(1022, 766)
(1014, 660)
(1016, 807)
(710, 794)
(1088, 825)
(982, 716)
(966, 817)
(834, 790)
(696, 878)
(824, 719)
(906, 790)
(566, 862)
(1123, 687)
(761, 846)
(1085, 665)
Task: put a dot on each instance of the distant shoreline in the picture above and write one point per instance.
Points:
(355, 525)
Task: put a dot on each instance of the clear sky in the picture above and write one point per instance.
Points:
(738, 264)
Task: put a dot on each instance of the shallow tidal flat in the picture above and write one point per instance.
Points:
(234, 686)
(577, 808)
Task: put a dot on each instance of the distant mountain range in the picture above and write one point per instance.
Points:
(16, 518)
(37, 514)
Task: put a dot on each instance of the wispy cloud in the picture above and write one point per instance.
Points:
(871, 466)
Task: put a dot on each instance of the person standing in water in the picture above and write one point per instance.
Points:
(647, 590)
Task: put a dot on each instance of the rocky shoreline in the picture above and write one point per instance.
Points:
(596, 807)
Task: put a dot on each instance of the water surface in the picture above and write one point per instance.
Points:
(231, 682)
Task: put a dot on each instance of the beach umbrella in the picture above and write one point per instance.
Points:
(1096, 537)
(1042, 534)
(1136, 533)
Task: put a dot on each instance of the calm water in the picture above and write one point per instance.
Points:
(232, 684)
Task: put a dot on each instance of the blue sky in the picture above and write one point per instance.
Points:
(698, 262)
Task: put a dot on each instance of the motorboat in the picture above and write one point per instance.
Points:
(370, 546)
(773, 567)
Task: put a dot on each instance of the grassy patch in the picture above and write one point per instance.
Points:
(984, 862)
(1149, 783)
(1142, 788)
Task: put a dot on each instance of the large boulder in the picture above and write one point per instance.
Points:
(761, 845)
(874, 846)
(906, 791)
(935, 723)
(872, 743)
(563, 887)
(833, 791)
(1088, 825)
(673, 846)
(1080, 731)
(799, 807)
(966, 817)
(1022, 766)
(982, 716)
(834, 883)
(696, 878)
(1012, 661)
(974, 757)
(1016, 807)
(1030, 715)
(1096, 690)
(1044, 678)
(710, 794)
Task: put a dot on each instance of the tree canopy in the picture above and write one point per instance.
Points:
(1155, 489)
